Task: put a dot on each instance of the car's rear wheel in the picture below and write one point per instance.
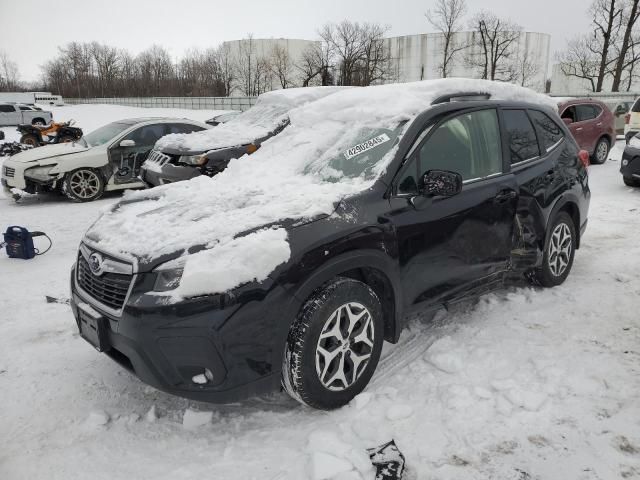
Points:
(631, 182)
(601, 152)
(559, 250)
(38, 122)
(83, 185)
(334, 344)
(30, 139)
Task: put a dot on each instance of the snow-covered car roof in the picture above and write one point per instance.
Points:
(299, 174)
(269, 112)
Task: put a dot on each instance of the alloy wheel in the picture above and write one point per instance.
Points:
(560, 246)
(345, 346)
(84, 184)
(601, 152)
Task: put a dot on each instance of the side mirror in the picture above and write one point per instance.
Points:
(567, 120)
(441, 183)
(1, 135)
(127, 143)
(620, 110)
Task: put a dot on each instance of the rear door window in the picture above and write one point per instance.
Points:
(549, 131)
(587, 112)
(521, 136)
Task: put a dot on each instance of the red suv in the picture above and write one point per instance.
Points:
(592, 125)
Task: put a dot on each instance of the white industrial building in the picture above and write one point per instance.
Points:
(419, 57)
(413, 57)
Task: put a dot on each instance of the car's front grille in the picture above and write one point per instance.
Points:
(9, 172)
(158, 158)
(110, 289)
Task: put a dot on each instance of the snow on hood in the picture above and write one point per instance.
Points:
(292, 176)
(48, 151)
(264, 117)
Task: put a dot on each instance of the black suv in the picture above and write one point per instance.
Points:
(474, 190)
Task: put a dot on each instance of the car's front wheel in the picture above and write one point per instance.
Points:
(559, 250)
(631, 182)
(334, 344)
(83, 185)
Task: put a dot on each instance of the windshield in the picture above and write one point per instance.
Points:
(356, 154)
(103, 134)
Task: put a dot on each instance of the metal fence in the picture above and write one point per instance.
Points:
(190, 103)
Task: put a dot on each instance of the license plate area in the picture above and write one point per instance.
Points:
(93, 327)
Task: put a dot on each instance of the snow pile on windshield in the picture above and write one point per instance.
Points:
(269, 112)
(290, 177)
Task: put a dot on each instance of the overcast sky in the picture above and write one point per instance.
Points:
(31, 31)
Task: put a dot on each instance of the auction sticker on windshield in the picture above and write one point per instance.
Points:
(364, 146)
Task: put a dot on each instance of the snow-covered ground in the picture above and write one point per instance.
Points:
(523, 384)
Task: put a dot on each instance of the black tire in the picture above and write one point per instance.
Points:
(30, 139)
(630, 182)
(38, 121)
(83, 185)
(550, 274)
(300, 369)
(601, 152)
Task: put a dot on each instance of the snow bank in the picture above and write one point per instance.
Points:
(291, 177)
(265, 116)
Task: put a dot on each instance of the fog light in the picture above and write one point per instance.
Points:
(203, 378)
(625, 163)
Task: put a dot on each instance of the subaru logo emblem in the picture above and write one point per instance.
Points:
(95, 263)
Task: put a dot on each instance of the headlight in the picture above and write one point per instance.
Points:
(193, 159)
(39, 173)
(168, 275)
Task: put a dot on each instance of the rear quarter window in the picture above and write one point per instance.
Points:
(549, 131)
(523, 142)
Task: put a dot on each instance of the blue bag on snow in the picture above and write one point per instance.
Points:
(19, 242)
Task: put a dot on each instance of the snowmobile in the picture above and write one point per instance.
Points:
(55, 132)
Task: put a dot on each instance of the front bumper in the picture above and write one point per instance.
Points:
(630, 163)
(166, 345)
(168, 173)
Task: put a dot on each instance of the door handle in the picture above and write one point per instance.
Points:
(579, 129)
(599, 124)
(504, 196)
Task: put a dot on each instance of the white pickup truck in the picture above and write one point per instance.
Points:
(17, 114)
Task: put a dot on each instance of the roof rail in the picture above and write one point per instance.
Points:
(462, 97)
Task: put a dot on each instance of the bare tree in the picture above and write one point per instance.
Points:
(494, 46)
(106, 61)
(446, 18)
(314, 65)
(282, 66)
(579, 61)
(358, 52)
(607, 17)
(9, 76)
(375, 65)
(253, 70)
(630, 16)
(527, 68)
(228, 69)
